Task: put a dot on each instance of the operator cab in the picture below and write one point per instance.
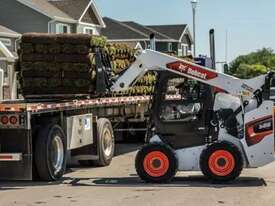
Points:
(180, 110)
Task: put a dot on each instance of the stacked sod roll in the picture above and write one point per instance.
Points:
(122, 56)
(64, 64)
(55, 64)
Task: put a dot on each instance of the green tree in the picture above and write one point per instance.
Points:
(253, 64)
(246, 71)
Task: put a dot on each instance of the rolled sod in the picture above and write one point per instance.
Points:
(39, 65)
(76, 75)
(27, 48)
(38, 38)
(38, 74)
(74, 39)
(72, 58)
(73, 67)
(36, 57)
(98, 41)
(35, 83)
(54, 48)
(75, 49)
(41, 48)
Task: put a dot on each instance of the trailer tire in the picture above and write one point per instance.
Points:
(221, 162)
(86, 163)
(156, 163)
(50, 153)
(106, 143)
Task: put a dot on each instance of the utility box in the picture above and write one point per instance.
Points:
(204, 61)
(79, 131)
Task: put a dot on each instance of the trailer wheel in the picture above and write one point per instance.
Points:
(221, 162)
(50, 153)
(106, 142)
(156, 163)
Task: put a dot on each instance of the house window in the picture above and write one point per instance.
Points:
(6, 42)
(63, 28)
(170, 47)
(88, 30)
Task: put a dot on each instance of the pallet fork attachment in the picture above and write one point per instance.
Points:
(103, 71)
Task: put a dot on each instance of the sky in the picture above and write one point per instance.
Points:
(249, 24)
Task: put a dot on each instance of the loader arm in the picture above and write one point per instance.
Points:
(149, 60)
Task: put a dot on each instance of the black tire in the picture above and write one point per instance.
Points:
(230, 171)
(104, 159)
(86, 163)
(50, 139)
(165, 174)
(104, 129)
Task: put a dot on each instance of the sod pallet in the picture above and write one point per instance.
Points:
(55, 64)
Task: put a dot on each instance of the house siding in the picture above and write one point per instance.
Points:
(163, 47)
(160, 46)
(21, 18)
(90, 17)
(186, 40)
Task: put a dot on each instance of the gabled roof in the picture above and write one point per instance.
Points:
(117, 30)
(71, 11)
(145, 30)
(129, 30)
(173, 31)
(4, 31)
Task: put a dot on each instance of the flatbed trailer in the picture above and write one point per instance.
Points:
(36, 138)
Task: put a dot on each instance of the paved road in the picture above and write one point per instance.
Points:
(119, 185)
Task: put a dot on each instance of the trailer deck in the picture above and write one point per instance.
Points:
(70, 105)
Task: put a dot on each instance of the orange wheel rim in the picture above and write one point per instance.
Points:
(156, 164)
(221, 163)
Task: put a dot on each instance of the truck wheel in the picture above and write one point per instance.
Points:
(106, 142)
(50, 153)
(156, 163)
(221, 162)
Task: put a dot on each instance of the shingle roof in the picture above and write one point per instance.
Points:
(73, 8)
(173, 31)
(147, 31)
(8, 32)
(48, 8)
(117, 30)
(67, 9)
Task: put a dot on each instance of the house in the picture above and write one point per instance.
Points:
(169, 38)
(51, 16)
(8, 56)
